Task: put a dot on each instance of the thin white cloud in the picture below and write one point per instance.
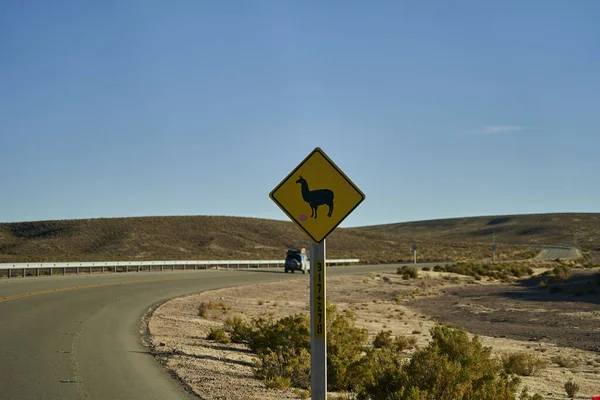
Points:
(497, 129)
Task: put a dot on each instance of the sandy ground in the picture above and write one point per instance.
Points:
(525, 311)
(379, 302)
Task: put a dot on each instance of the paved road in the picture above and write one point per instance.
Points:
(85, 329)
(552, 253)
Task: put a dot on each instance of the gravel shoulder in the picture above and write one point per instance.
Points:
(380, 302)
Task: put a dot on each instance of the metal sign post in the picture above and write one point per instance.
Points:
(318, 334)
(494, 248)
(414, 247)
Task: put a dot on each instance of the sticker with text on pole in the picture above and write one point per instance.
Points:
(319, 299)
(317, 195)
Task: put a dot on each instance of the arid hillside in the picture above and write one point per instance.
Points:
(215, 237)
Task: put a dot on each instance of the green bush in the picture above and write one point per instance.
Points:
(378, 374)
(283, 368)
(452, 367)
(407, 272)
(401, 343)
(264, 335)
(526, 396)
(345, 347)
(239, 331)
(218, 335)
(560, 273)
(278, 382)
(426, 269)
(282, 345)
(268, 335)
(383, 339)
(523, 364)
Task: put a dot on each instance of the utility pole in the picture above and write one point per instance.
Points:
(414, 248)
(494, 245)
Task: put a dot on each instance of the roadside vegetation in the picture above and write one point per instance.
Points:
(570, 278)
(212, 308)
(523, 364)
(565, 361)
(571, 388)
(556, 272)
(453, 366)
(495, 271)
(218, 335)
(407, 272)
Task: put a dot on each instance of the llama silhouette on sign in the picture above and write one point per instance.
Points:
(315, 198)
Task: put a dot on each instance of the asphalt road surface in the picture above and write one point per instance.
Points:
(78, 337)
(552, 253)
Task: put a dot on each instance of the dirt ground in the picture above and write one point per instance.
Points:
(508, 318)
(524, 311)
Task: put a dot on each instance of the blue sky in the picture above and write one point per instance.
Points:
(434, 109)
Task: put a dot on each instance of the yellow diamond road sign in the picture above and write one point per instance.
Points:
(317, 195)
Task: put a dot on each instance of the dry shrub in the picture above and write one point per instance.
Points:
(560, 273)
(523, 364)
(407, 272)
(204, 308)
(400, 343)
(571, 388)
(565, 361)
(283, 368)
(383, 339)
(278, 382)
(526, 396)
(218, 335)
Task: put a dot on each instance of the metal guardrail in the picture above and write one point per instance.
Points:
(138, 266)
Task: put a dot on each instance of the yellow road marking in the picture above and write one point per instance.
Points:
(41, 292)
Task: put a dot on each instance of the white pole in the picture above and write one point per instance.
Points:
(415, 255)
(318, 337)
